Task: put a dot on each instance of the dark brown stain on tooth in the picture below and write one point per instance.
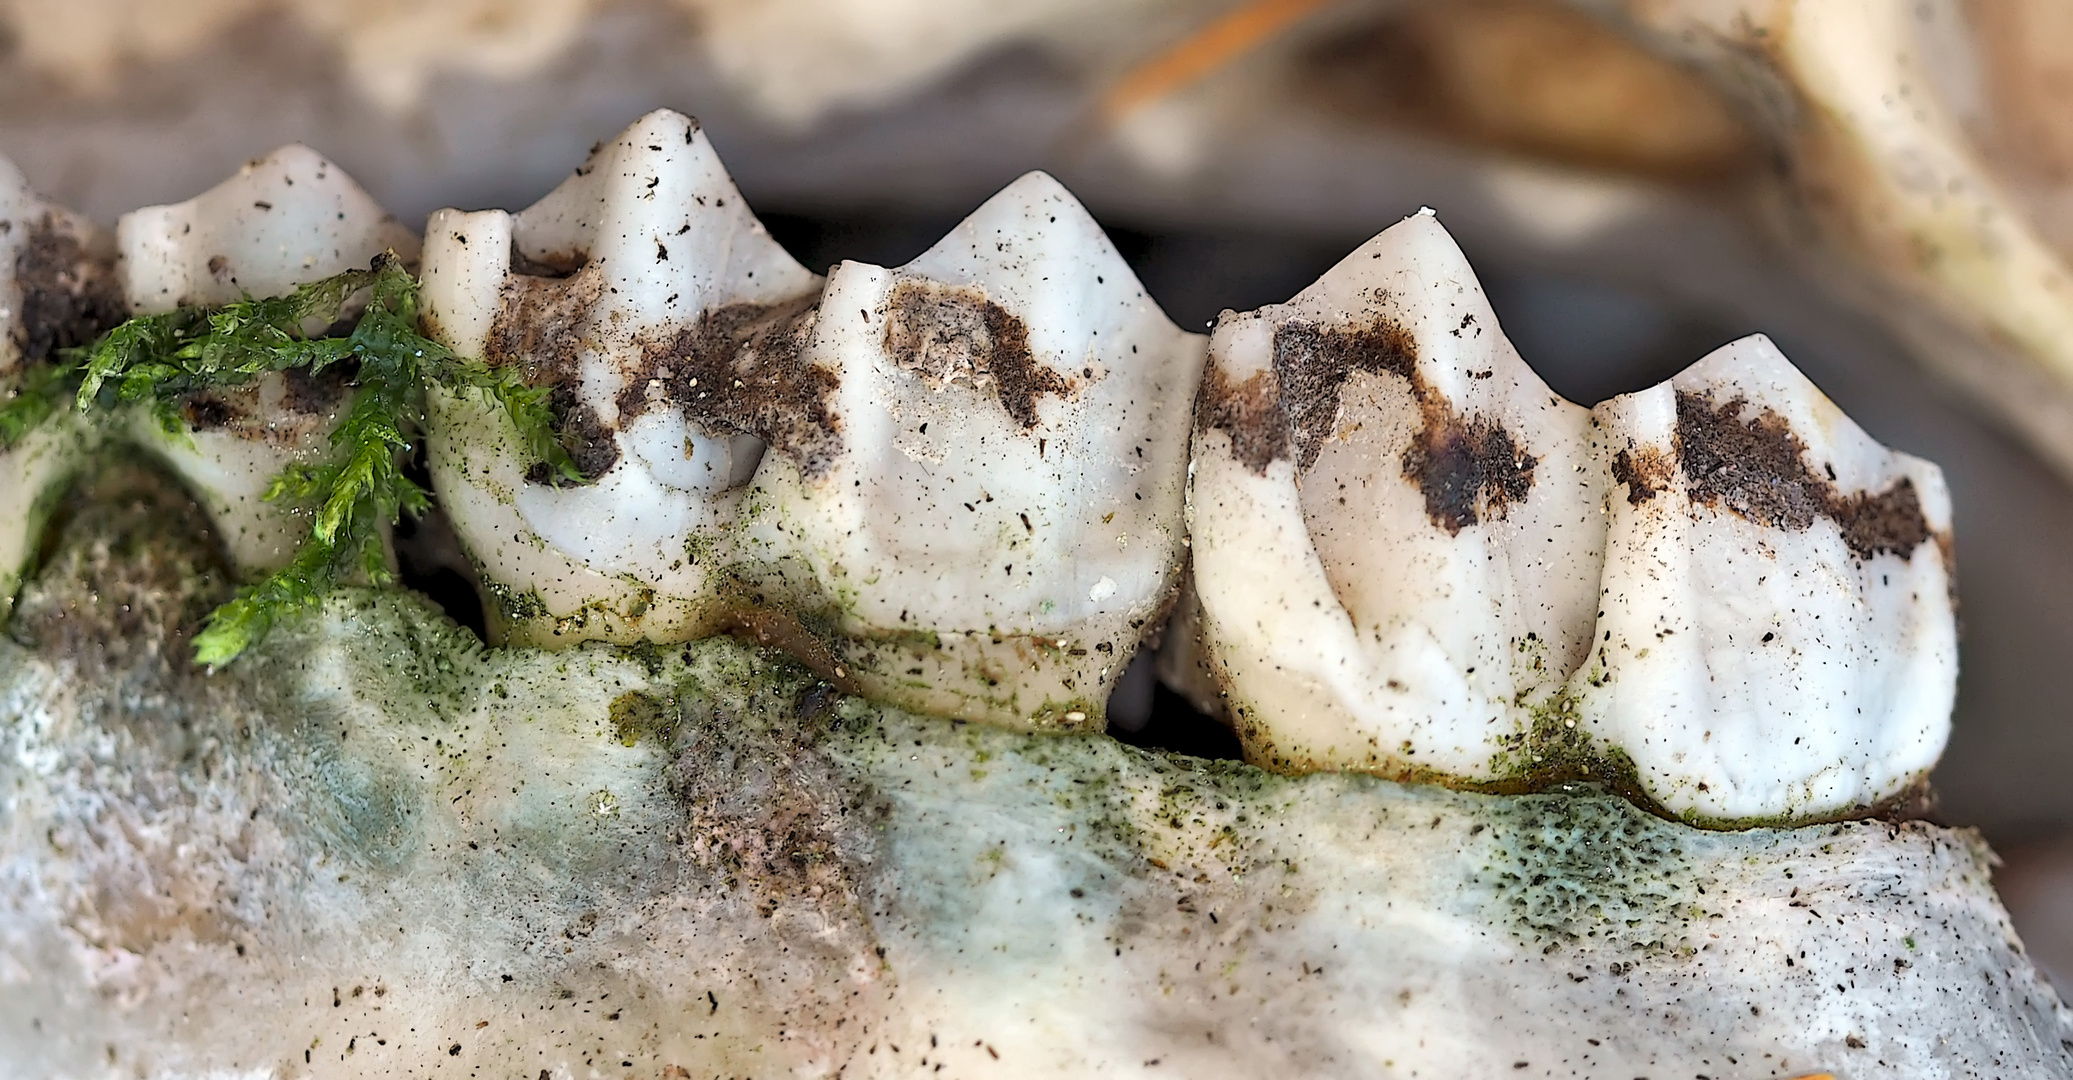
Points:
(1757, 469)
(69, 295)
(948, 333)
(1888, 523)
(548, 264)
(1314, 362)
(207, 411)
(1249, 412)
(304, 403)
(1467, 467)
(1645, 470)
(540, 327)
(1754, 467)
(742, 368)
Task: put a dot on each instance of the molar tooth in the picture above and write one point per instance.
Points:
(58, 289)
(1777, 641)
(1396, 535)
(288, 218)
(1001, 522)
(665, 318)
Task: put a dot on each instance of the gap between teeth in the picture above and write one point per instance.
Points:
(969, 486)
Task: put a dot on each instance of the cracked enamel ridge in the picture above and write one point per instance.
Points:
(57, 290)
(1776, 637)
(664, 317)
(1397, 529)
(1001, 525)
(283, 220)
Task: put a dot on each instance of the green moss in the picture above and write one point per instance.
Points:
(636, 716)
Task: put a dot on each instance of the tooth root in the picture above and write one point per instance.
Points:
(58, 290)
(1000, 524)
(1777, 640)
(1396, 540)
(289, 218)
(664, 317)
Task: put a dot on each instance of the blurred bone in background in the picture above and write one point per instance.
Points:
(1883, 186)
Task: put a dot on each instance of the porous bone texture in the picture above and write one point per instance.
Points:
(1002, 523)
(374, 849)
(1776, 636)
(1396, 533)
(288, 218)
(663, 318)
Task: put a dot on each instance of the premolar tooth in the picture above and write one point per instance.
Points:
(1001, 521)
(1777, 641)
(1396, 535)
(667, 321)
(286, 219)
(58, 289)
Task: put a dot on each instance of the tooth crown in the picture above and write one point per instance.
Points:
(659, 310)
(1421, 499)
(288, 218)
(285, 219)
(1775, 640)
(1004, 515)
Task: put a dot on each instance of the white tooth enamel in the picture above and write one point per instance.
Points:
(288, 218)
(57, 290)
(657, 236)
(1758, 658)
(1361, 616)
(997, 535)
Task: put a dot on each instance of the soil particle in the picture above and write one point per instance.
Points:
(1468, 468)
(1644, 470)
(69, 294)
(1756, 467)
(947, 333)
(742, 368)
(540, 326)
(1249, 412)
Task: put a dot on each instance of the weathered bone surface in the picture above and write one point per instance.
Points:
(664, 316)
(994, 522)
(374, 848)
(288, 218)
(1397, 530)
(1775, 635)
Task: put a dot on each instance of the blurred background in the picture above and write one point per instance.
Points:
(1885, 188)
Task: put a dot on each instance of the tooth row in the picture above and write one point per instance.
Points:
(1414, 559)
(968, 486)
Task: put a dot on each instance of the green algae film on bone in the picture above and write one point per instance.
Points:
(861, 877)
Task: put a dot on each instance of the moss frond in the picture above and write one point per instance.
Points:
(156, 361)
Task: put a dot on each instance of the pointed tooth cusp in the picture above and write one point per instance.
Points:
(1396, 539)
(287, 219)
(667, 324)
(58, 289)
(1002, 522)
(1777, 640)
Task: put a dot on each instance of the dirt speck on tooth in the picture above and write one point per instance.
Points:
(945, 333)
(740, 369)
(1757, 469)
(69, 294)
